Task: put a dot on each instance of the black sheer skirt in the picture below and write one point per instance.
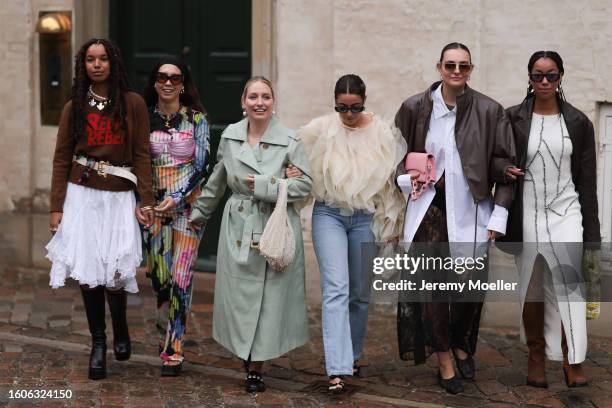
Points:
(438, 322)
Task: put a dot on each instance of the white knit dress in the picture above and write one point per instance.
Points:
(552, 228)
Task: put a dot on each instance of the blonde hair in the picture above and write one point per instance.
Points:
(254, 79)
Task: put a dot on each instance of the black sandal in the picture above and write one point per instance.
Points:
(336, 387)
(171, 370)
(254, 382)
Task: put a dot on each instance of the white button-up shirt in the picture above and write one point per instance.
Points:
(466, 220)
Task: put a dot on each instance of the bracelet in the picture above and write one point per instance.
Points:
(146, 208)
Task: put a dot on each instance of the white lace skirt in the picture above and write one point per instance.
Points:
(98, 241)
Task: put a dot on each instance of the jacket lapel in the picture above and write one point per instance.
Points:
(274, 134)
(573, 124)
(245, 153)
(246, 156)
(422, 121)
(522, 127)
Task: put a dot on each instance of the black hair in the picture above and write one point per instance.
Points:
(118, 84)
(553, 55)
(350, 84)
(455, 46)
(190, 98)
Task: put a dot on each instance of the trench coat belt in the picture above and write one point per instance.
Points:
(251, 232)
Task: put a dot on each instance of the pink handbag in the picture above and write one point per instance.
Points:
(424, 165)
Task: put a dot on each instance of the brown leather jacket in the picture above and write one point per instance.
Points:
(483, 136)
(583, 167)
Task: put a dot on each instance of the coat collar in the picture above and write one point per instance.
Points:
(522, 128)
(275, 134)
(439, 106)
(463, 100)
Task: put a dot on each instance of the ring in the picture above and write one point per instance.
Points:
(52, 229)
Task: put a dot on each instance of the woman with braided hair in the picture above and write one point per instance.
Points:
(101, 156)
(555, 216)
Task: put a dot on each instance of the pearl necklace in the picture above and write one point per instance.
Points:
(100, 102)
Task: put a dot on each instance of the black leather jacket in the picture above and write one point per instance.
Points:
(483, 136)
(583, 167)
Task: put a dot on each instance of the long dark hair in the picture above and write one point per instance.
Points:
(350, 84)
(118, 84)
(190, 98)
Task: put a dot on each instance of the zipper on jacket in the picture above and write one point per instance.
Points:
(475, 228)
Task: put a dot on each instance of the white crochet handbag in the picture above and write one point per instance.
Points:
(277, 242)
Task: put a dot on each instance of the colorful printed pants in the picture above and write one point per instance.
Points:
(172, 249)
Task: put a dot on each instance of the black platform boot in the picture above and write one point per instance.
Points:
(95, 310)
(117, 303)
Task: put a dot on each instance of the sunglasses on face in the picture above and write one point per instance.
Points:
(464, 68)
(341, 108)
(550, 76)
(162, 78)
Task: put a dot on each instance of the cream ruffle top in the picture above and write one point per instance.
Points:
(354, 169)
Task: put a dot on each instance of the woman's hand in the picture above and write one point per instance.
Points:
(393, 240)
(514, 172)
(251, 182)
(145, 215)
(139, 216)
(166, 205)
(414, 174)
(55, 218)
(291, 171)
(493, 235)
(194, 227)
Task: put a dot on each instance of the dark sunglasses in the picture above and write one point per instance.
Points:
(353, 108)
(162, 78)
(550, 77)
(451, 66)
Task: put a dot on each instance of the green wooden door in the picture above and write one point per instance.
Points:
(214, 38)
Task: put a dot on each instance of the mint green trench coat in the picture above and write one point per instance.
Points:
(257, 311)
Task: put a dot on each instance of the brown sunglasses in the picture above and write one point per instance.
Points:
(162, 78)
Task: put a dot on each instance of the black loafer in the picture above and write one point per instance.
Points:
(466, 367)
(451, 385)
(254, 382)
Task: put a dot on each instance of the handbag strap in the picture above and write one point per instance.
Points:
(281, 199)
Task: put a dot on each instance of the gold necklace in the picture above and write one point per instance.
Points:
(167, 118)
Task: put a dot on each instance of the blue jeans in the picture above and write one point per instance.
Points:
(345, 282)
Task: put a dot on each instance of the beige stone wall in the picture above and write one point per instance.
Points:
(394, 45)
(25, 145)
(15, 102)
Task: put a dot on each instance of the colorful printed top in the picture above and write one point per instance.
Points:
(180, 149)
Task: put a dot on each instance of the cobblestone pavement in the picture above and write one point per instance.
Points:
(44, 345)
